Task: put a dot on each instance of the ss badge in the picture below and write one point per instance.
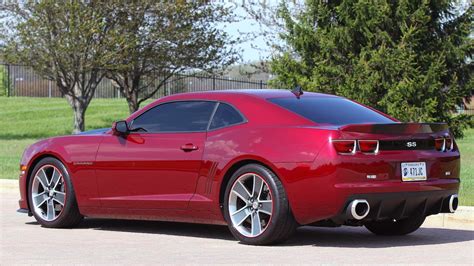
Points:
(411, 144)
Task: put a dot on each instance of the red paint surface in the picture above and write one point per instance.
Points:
(149, 176)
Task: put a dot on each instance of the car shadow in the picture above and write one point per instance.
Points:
(359, 237)
(162, 228)
(353, 237)
(154, 227)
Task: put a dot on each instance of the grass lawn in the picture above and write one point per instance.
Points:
(24, 120)
(466, 146)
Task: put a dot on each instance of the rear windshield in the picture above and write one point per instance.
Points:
(331, 110)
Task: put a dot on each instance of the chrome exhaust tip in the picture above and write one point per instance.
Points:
(358, 209)
(453, 203)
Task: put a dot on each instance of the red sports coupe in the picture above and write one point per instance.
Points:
(261, 161)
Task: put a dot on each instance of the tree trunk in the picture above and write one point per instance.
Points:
(79, 108)
(129, 87)
(79, 118)
(132, 101)
(134, 90)
(79, 91)
(131, 94)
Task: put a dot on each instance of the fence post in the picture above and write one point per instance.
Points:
(8, 80)
(213, 82)
(261, 84)
(49, 88)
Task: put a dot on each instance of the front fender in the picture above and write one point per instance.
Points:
(77, 153)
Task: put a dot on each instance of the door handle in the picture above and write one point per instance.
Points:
(189, 147)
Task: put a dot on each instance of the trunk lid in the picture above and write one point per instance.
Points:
(396, 128)
(398, 136)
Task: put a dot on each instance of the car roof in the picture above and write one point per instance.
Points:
(249, 101)
(259, 93)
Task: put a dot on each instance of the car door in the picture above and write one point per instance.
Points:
(156, 166)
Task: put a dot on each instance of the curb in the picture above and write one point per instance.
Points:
(463, 218)
(8, 184)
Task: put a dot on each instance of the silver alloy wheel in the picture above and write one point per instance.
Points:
(48, 192)
(250, 205)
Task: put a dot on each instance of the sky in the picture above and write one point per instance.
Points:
(249, 54)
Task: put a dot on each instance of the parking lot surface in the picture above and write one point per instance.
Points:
(96, 241)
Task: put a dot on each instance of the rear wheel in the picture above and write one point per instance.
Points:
(256, 207)
(396, 227)
(51, 195)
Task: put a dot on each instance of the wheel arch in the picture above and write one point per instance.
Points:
(236, 166)
(32, 166)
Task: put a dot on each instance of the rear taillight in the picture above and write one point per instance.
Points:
(440, 144)
(344, 146)
(448, 144)
(444, 144)
(350, 146)
(369, 146)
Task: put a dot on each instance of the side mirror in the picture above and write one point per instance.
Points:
(120, 128)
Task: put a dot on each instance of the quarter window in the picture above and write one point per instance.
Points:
(185, 116)
(225, 115)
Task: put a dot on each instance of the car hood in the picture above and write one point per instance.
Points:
(94, 131)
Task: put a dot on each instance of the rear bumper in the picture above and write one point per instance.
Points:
(398, 205)
(325, 197)
(320, 190)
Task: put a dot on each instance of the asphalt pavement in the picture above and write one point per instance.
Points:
(97, 241)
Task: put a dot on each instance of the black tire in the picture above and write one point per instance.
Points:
(396, 228)
(69, 216)
(282, 224)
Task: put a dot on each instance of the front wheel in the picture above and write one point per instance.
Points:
(256, 207)
(396, 227)
(51, 195)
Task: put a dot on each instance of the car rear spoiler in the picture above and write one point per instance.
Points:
(396, 128)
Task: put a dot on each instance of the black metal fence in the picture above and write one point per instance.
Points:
(19, 80)
(466, 111)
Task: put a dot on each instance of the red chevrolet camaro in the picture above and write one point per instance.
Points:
(261, 161)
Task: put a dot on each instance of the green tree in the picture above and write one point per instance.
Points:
(410, 58)
(67, 42)
(164, 38)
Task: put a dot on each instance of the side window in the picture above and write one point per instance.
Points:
(225, 115)
(176, 117)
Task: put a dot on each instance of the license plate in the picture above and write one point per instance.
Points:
(415, 171)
